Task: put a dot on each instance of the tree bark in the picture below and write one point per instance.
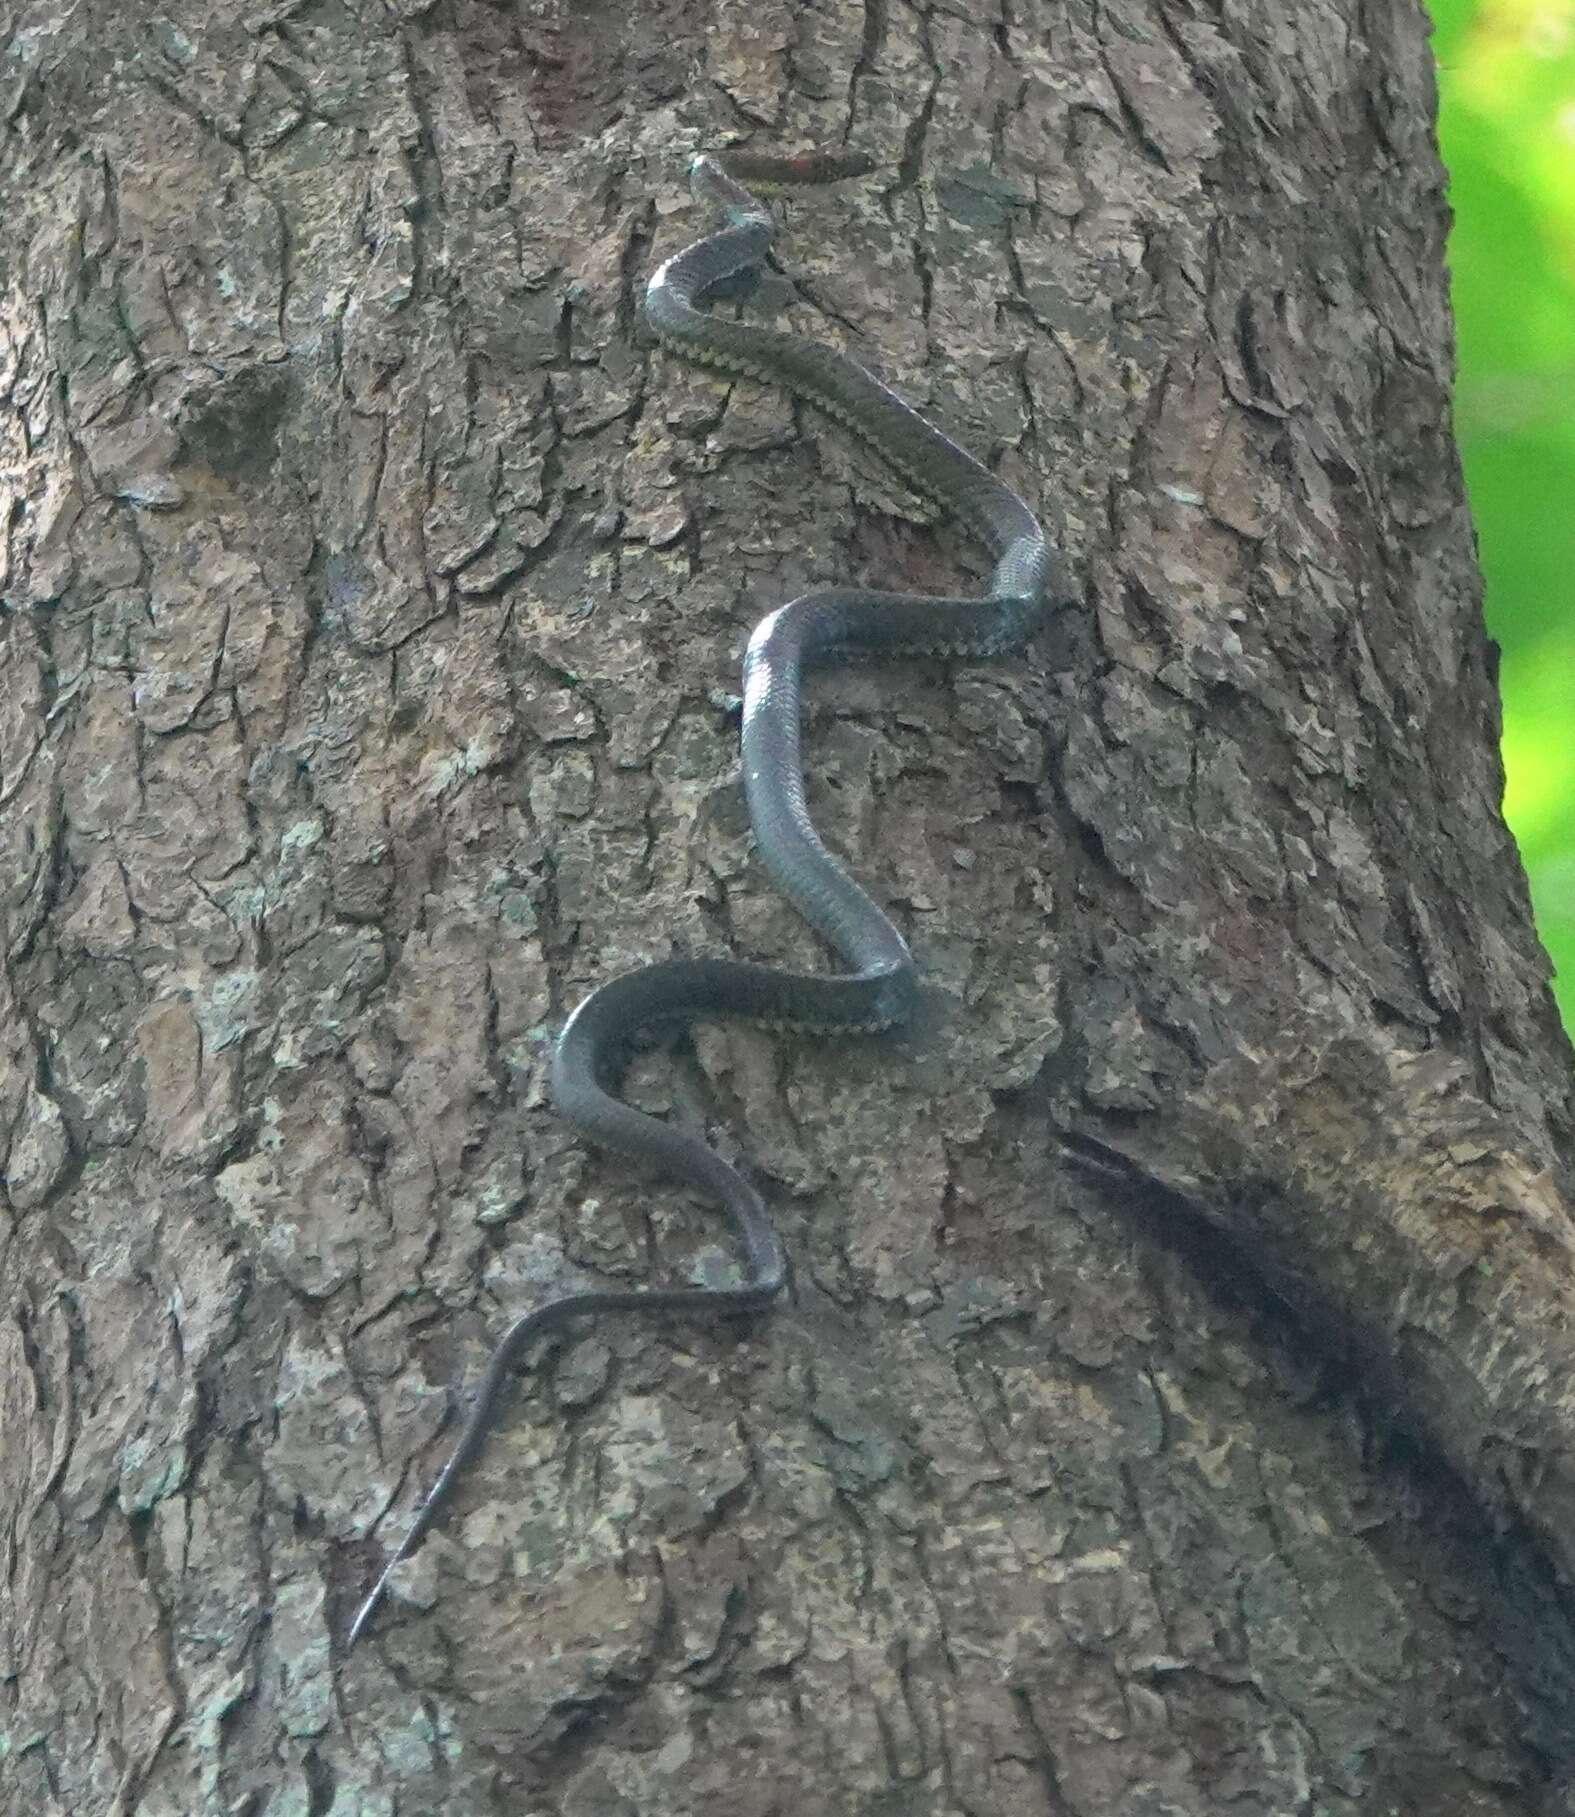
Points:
(1171, 1413)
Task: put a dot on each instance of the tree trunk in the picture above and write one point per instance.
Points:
(1172, 1410)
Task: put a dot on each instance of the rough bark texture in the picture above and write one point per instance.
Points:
(374, 600)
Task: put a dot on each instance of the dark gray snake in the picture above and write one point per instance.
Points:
(878, 988)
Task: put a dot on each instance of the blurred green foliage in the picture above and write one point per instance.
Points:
(1507, 122)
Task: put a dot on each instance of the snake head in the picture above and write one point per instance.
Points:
(708, 179)
(711, 181)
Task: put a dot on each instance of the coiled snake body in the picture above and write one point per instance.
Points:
(877, 988)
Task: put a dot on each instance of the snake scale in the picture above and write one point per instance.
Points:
(877, 988)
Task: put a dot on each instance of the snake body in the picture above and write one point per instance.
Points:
(877, 989)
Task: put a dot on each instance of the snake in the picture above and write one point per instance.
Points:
(877, 988)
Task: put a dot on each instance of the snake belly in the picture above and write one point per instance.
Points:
(877, 988)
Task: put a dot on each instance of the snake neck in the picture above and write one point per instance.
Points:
(1026, 570)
